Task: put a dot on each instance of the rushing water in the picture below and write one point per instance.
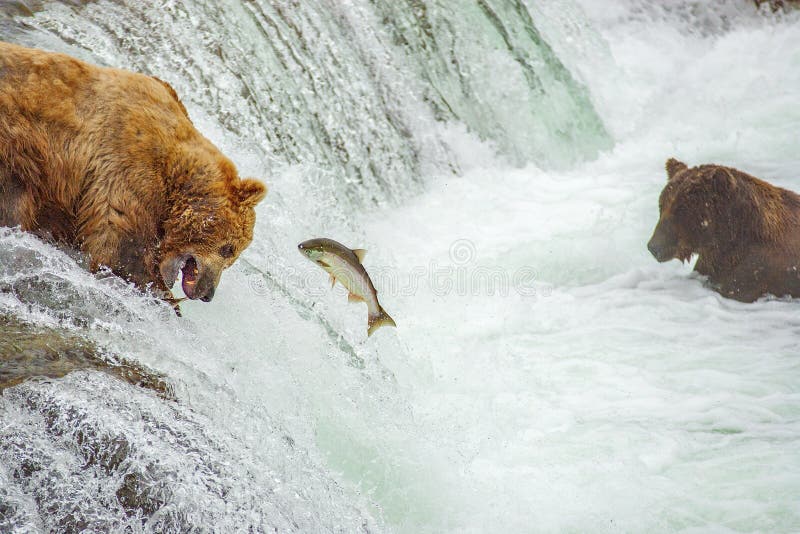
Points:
(501, 161)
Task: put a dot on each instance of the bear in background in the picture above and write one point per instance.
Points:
(107, 161)
(745, 231)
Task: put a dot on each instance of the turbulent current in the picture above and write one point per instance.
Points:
(501, 161)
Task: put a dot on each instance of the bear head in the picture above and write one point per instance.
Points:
(705, 210)
(207, 228)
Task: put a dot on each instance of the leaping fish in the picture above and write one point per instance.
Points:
(344, 265)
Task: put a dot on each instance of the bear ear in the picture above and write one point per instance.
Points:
(673, 167)
(249, 192)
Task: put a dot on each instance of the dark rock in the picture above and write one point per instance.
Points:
(135, 494)
(28, 351)
(778, 5)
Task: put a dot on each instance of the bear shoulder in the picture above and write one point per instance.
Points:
(173, 94)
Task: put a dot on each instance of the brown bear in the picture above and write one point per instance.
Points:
(108, 162)
(745, 231)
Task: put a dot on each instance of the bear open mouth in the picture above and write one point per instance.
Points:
(190, 272)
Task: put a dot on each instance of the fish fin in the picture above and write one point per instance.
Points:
(360, 253)
(352, 297)
(378, 320)
(333, 281)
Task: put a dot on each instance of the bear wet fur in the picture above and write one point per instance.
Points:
(745, 231)
(108, 162)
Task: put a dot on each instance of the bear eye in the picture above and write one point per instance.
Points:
(226, 251)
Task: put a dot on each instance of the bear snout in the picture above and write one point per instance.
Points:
(204, 284)
(200, 275)
(659, 251)
(209, 294)
(663, 244)
(654, 249)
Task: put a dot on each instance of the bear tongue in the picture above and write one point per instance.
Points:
(190, 272)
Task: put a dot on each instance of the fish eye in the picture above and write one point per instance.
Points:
(226, 251)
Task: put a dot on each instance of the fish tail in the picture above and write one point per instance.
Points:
(378, 320)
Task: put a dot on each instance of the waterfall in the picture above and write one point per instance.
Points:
(354, 90)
